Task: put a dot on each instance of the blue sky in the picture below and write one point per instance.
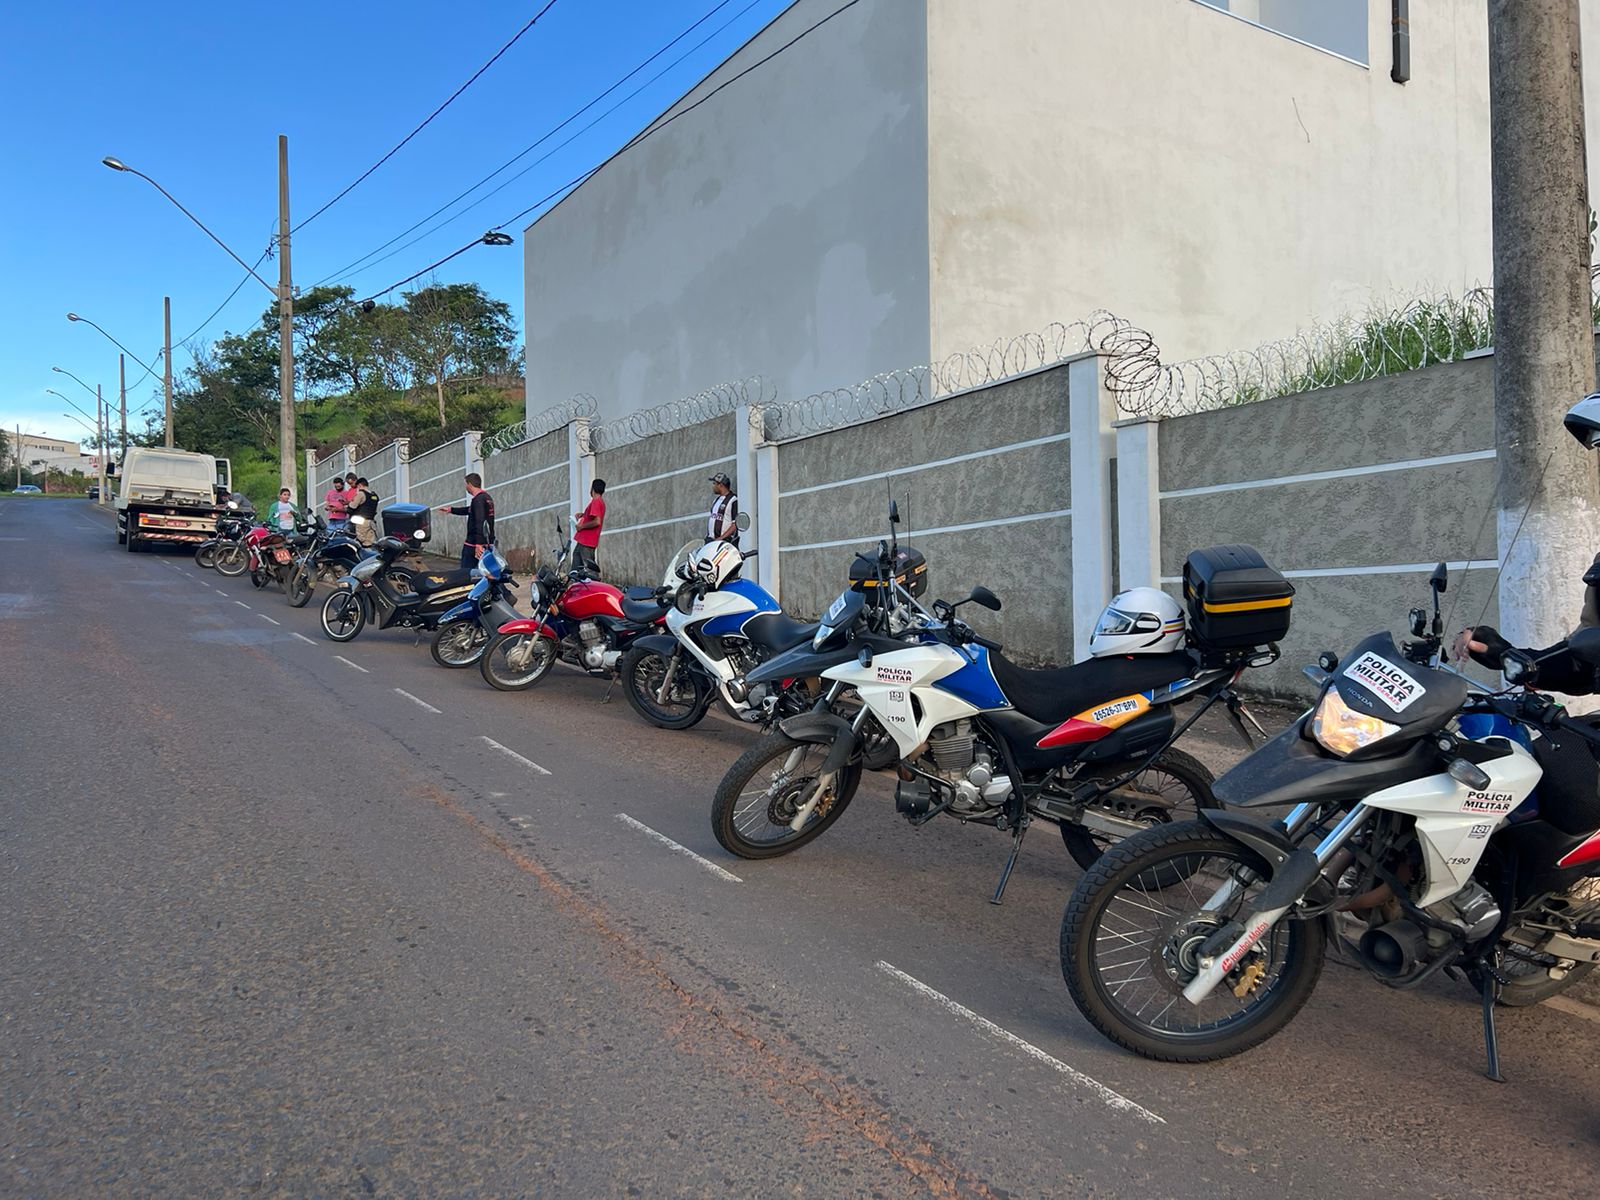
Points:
(195, 94)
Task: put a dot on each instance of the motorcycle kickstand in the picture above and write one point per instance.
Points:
(1017, 835)
(1489, 986)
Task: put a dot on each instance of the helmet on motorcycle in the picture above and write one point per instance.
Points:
(1583, 421)
(714, 563)
(1141, 620)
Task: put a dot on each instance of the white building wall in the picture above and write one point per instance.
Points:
(1210, 181)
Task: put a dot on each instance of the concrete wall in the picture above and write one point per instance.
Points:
(781, 227)
(983, 484)
(1210, 181)
(337, 463)
(658, 496)
(1353, 492)
(435, 480)
(529, 483)
(380, 469)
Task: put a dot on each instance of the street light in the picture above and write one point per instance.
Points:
(102, 432)
(85, 320)
(287, 472)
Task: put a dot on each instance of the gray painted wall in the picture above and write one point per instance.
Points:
(1028, 563)
(378, 469)
(435, 480)
(806, 184)
(529, 485)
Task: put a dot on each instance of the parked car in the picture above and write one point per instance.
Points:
(26, 489)
(92, 492)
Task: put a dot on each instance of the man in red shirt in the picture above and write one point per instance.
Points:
(586, 530)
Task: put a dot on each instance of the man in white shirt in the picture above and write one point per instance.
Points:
(722, 525)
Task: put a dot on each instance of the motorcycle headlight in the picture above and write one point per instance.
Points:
(1340, 729)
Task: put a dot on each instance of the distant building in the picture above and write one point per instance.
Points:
(39, 452)
(920, 177)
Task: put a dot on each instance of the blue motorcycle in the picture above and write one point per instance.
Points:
(464, 631)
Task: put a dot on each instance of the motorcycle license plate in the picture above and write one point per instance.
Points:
(281, 554)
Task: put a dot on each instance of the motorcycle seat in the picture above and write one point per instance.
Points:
(1052, 696)
(428, 582)
(641, 611)
(777, 632)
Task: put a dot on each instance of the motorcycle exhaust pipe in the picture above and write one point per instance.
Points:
(1395, 949)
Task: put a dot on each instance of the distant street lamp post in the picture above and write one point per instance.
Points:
(101, 432)
(74, 317)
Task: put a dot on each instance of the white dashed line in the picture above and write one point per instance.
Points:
(1111, 1099)
(677, 849)
(241, 604)
(510, 753)
(219, 591)
(418, 701)
(267, 619)
(519, 822)
(303, 638)
(348, 663)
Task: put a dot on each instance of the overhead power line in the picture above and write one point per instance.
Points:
(428, 120)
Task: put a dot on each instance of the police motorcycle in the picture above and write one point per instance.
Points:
(971, 735)
(1437, 827)
(721, 627)
(464, 631)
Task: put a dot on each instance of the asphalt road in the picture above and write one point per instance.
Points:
(284, 917)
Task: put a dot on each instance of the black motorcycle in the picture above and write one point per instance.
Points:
(327, 558)
(381, 593)
(232, 525)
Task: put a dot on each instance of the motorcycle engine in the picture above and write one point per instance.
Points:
(596, 656)
(966, 764)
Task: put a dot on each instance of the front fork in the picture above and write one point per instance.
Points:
(1213, 966)
(671, 673)
(803, 814)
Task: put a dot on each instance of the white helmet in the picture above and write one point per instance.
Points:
(1141, 620)
(1583, 421)
(714, 563)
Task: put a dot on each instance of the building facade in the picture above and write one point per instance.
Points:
(37, 453)
(920, 177)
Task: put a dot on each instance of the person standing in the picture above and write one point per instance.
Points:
(333, 503)
(479, 512)
(363, 506)
(722, 525)
(281, 516)
(586, 530)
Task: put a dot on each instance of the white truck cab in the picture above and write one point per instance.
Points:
(169, 496)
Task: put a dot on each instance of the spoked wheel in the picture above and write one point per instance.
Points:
(643, 672)
(231, 559)
(514, 661)
(343, 616)
(1172, 788)
(1130, 946)
(204, 556)
(459, 644)
(1534, 976)
(299, 588)
(763, 792)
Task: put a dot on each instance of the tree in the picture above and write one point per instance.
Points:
(455, 327)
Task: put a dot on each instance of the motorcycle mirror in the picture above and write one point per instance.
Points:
(742, 521)
(1585, 646)
(1592, 575)
(982, 595)
(1439, 581)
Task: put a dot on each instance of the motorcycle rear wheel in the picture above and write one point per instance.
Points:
(231, 559)
(1128, 944)
(459, 644)
(514, 662)
(766, 787)
(259, 577)
(642, 671)
(299, 588)
(343, 616)
(204, 556)
(1178, 786)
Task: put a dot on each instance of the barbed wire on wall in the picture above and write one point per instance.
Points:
(714, 402)
(551, 419)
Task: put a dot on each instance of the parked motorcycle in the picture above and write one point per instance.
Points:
(380, 593)
(576, 619)
(326, 558)
(1088, 747)
(232, 526)
(465, 630)
(1437, 826)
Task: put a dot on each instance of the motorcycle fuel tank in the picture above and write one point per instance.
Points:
(592, 599)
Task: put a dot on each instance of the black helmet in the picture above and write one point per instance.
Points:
(1583, 421)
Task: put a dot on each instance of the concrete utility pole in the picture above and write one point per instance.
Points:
(166, 361)
(286, 464)
(104, 447)
(1544, 325)
(16, 454)
(122, 386)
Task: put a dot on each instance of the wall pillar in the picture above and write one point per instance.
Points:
(580, 465)
(1093, 445)
(764, 477)
(1138, 503)
(311, 481)
(402, 470)
(472, 450)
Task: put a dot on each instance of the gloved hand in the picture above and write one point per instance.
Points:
(1484, 644)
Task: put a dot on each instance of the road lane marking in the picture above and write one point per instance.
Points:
(1112, 1099)
(303, 638)
(675, 847)
(348, 663)
(420, 703)
(268, 619)
(219, 591)
(520, 822)
(510, 753)
(241, 604)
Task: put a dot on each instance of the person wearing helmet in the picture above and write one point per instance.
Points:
(1559, 670)
(1141, 620)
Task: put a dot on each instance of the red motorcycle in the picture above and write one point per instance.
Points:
(270, 555)
(576, 619)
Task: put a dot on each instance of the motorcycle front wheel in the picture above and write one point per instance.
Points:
(643, 671)
(513, 662)
(764, 791)
(230, 559)
(1130, 941)
(204, 556)
(459, 644)
(343, 616)
(299, 588)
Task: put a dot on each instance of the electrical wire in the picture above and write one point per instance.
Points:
(533, 146)
(453, 95)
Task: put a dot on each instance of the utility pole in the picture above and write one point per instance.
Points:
(103, 449)
(287, 473)
(1544, 324)
(166, 362)
(122, 386)
(16, 454)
